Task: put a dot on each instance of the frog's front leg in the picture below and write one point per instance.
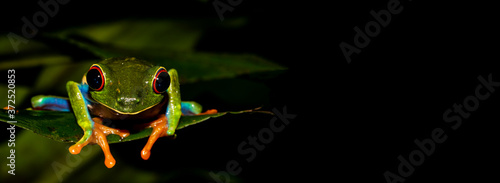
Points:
(93, 130)
(166, 124)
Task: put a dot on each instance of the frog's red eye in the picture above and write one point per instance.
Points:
(161, 81)
(95, 79)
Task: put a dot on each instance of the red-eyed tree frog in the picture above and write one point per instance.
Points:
(122, 89)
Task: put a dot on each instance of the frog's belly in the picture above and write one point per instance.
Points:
(106, 113)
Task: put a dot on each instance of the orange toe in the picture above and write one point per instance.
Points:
(145, 154)
(210, 111)
(110, 162)
(75, 149)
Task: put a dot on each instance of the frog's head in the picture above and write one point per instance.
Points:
(127, 85)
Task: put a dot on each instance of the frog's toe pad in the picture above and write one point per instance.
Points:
(75, 149)
(109, 162)
(145, 154)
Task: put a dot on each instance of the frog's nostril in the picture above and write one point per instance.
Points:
(125, 100)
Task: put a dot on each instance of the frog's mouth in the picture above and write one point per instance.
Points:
(107, 112)
(129, 108)
(128, 113)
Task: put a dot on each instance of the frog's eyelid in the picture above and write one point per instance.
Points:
(101, 75)
(157, 73)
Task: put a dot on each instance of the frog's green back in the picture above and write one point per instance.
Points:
(127, 63)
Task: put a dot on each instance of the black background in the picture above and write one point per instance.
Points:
(353, 119)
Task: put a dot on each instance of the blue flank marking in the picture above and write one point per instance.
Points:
(187, 109)
(56, 104)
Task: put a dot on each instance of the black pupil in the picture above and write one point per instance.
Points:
(162, 82)
(94, 79)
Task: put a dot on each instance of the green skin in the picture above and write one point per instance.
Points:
(122, 83)
(127, 94)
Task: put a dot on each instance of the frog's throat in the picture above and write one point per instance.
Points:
(128, 113)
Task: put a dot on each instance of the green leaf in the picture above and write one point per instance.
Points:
(201, 66)
(139, 37)
(62, 126)
(170, 43)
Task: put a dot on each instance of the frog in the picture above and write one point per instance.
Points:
(122, 89)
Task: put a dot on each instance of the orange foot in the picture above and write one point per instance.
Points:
(98, 136)
(10, 108)
(159, 130)
(210, 111)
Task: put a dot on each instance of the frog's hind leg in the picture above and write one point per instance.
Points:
(190, 108)
(52, 103)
